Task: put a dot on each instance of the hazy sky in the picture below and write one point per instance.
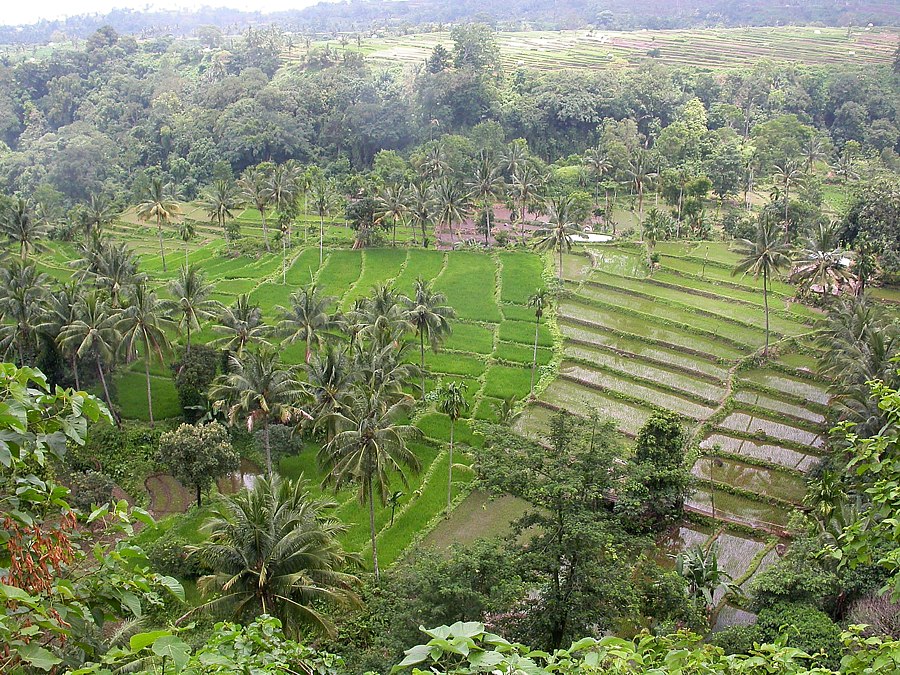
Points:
(23, 11)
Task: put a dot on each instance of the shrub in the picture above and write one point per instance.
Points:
(168, 555)
(193, 374)
(90, 488)
(807, 628)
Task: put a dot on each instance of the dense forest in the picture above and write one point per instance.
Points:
(292, 289)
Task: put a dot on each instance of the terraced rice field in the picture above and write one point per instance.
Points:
(707, 49)
(685, 338)
(490, 350)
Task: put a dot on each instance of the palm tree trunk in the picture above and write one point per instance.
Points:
(106, 390)
(162, 250)
(199, 496)
(766, 306)
(188, 338)
(321, 236)
(394, 222)
(787, 203)
(559, 274)
(305, 211)
(75, 371)
(186, 263)
(537, 330)
(450, 474)
(422, 358)
(262, 215)
(372, 529)
(283, 262)
(268, 448)
(149, 394)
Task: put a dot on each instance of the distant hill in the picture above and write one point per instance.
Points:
(368, 15)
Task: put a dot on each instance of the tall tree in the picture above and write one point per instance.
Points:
(538, 301)
(453, 404)
(452, 204)
(525, 191)
(329, 378)
(61, 310)
(94, 333)
(787, 175)
(421, 209)
(430, 315)
(598, 165)
(159, 203)
(639, 169)
(186, 232)
(23, 290)
(822, 262)
(253, 186)
(259, 389)
(558, 236)
(241, 325)
(763, 256)
(220, 200)
(198, 455)
(486, 184)
(142, 323)
(98, 213)
(191, 301)
(392, 207)
(370, 445)
(324, 201)
(22, 229)
(308, 319)
(274, 549)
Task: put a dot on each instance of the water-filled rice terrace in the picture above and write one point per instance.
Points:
(688, 338)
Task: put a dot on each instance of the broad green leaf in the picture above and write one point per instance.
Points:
(38, 657)
(173, 647)
(141, 640)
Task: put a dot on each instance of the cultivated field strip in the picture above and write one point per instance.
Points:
(686, 338)
(596, 49)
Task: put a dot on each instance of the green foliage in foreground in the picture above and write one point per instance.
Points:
(467, 647)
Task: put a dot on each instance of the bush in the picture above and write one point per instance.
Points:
(168, 555)
(282, 439)
(807, 628)
(193, 374)
(125, 453)
(736, 639)
(89, 489)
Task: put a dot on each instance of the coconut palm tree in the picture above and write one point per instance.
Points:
(113, 268)
(392, 207)
(814, 151)
(369, 446)
(220, 200)
(430, 316)
(159, 203)
(598, 165)
(62, 310)
(324, 201)
(822, 262)
(282, 189)
(142, 323)
(525, 190)
(421, 209)
(787, 175)
(382, 317)
(187, 230)
(22, 228)
(329, 377)
(657, 226)
(22, 293)
(763, 256)
(308, 320)
(191, 302)
(452, 402)
(252, 186)
(640, 172)
(452, 204)
(98, 213)
(514, 158)
(94, 333)
(274, 549)
(434, 164)
(486, 184)
(558, 236)
(241, 325)
(259, 389)
(540, 302)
